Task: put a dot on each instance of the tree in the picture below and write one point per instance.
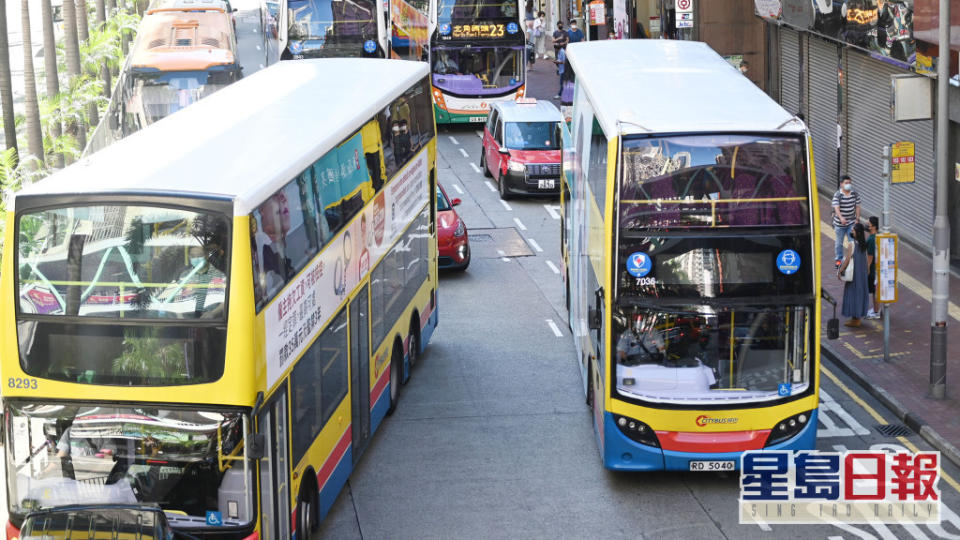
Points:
(32, 106)
(71, 49)
(6, 85)
(83, 31)
(101, 26)
(51, 76)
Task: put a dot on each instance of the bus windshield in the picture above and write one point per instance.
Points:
(477, 70)
(183, 461)
(331, 28)
(151, 281)
(713, 181)
(153, 95)
(701, 355)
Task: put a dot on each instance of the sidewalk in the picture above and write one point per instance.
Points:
(902, 384)
(543, 81)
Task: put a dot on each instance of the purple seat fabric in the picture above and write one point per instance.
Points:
(782, 213)
(744, 212)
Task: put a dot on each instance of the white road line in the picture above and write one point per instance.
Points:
(553, 266)
(456, 187)
(490, 186)
(553, 213)
(475, 168)
(504, 259)
(464, 152)
(258, 47)
(500, 252)
(261, 66)
(453, 139)
(520, 224)
(553, 326)
(506, 205)
(535, 245)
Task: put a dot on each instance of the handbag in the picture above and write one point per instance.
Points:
(847, 274)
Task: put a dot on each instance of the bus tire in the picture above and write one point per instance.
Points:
(414, 349)
(483, 164)
(396, 365)
(307, 508)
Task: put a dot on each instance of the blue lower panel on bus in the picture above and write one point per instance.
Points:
(427, 332)
(330, 488)
(622, 453)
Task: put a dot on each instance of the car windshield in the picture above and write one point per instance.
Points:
(153, 95)
(702, 355)
(477, 71)
(442, 203)
(186, 462)
(713, 181)
(532, 135)
(331, 28)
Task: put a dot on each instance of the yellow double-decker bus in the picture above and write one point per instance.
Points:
(215, 315)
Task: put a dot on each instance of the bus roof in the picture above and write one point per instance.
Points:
(246, 141)
(178, 41)
(671, 86)
(186, 5)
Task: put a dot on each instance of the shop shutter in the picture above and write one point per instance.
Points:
(790, 70)
(822, 118)
(869, 128)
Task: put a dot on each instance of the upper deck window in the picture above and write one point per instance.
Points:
(474, 10)
(714, 181)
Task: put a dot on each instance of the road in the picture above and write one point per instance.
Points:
(491, 438)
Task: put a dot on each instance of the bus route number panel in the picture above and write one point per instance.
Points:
(473, 31)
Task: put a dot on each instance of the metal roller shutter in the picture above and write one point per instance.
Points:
(822, 119)
(869, 128)
(790, 69)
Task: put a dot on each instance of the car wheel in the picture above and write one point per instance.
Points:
(483, 164)
(396, 364)
(502, 187)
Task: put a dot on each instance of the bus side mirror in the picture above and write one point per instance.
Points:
(595, 313)
(258, 443)
(595, 319)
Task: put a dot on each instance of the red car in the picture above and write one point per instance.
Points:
(452, 238)
(522, 147)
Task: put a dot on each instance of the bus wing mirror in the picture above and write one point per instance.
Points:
(596, 312)
(258, 443)
(595, 319)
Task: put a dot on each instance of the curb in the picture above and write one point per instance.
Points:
(912, 420)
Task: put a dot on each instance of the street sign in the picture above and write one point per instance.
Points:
(684, 6)
(886, 249)
(684, 24)
(902, 166)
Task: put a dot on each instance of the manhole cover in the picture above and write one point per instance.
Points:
(493, 243)
(893, 430)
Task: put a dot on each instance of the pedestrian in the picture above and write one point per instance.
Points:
(561, 61)
(856, 296)
(846, 212)
(540, 35)
(744, 67)
(873, 225)
(528, 14)
(560, 39)
(575, 35)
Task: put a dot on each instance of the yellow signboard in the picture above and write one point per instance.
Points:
(902, 163)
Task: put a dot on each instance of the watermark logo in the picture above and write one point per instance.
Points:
(704, 420)
(784, 486)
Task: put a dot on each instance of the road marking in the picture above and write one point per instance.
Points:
(553, 266)
(500, 252)
(456, 187)
(553, 326)
(903, 278)
(880, 419)
(475, 168)
(553, 213)
(464, 152)
(258, 47)
(862, 356)
(535, 245)
(520, 224)
(830, 405)
(490, 186)
(506, 205)
(261, 66)
(453, 140)
(505, 259)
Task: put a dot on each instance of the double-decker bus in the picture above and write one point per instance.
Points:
(215, 315)
(692, 258)
(184, 51)
(476, 57)
(335, 28)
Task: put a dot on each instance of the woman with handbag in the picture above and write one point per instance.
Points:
(853, 272)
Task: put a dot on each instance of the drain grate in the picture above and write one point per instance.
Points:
(893, 430)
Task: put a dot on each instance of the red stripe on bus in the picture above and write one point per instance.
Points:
(334, 458)
(379, 387)
(719, 441)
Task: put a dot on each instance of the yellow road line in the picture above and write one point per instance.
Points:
(903, 278)
(876, 416)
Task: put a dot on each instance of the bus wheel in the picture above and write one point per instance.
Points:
(396, 364)
(307, 512)
(483, 164)
(414, 350)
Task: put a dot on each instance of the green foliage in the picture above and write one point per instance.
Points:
(145, 356)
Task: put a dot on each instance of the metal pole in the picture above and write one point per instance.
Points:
(941, 232)
(885, 227)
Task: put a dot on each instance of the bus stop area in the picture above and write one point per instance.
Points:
(902, 384)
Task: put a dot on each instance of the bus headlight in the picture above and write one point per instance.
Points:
(637, 430)
(788, 428)
(516, 166)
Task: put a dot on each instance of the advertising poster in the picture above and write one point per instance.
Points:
(887, 268)
(621, 29)
(410, 29)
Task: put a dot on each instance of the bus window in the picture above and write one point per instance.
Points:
(406, 125)
(286, 236)
(326, 29)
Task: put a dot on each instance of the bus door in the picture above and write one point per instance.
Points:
(274, 469)
(360, 372)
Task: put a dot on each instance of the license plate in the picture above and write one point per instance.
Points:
(703, 466)
(477, 119)
(546, 184)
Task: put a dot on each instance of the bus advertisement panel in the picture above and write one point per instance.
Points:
(411, 32)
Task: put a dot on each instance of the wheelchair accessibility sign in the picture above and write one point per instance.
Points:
(214, 518)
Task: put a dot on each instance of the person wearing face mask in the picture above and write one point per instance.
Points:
(846, 212)
(575, 34)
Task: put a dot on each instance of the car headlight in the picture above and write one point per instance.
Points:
(516, 166)
(461, 229)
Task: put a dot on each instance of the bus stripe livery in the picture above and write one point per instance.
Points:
(240, 309)
(691, 258)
